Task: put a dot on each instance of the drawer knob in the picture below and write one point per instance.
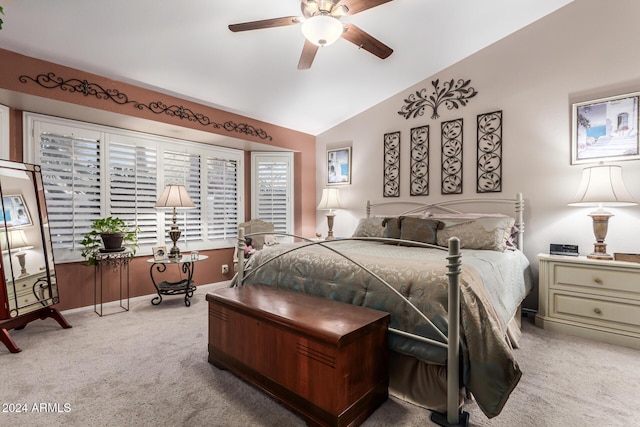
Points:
(598, 281)
(597, 310)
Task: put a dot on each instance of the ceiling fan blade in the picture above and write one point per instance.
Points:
(366, 41)
(265, 23)
(308, 54)
(357, 6)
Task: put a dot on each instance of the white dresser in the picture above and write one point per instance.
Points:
(590, 298)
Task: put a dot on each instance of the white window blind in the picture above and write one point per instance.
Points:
(4, 132)
(272, 189)
(92, 171)
(222, 199)
(133, 186)
(71, 176)
(184, 168)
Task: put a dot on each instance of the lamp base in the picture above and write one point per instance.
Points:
(174, 234)
(600, 226)
(22, 262)
(330, 217)
(600, 256)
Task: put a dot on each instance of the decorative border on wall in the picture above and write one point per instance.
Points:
(453, 94)
(489, 174)
(419, 181)
(451, 139)
(51, 81)
(391, 185)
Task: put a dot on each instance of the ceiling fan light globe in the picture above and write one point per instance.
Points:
(322, 30)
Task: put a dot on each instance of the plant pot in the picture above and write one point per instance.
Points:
(112, 241)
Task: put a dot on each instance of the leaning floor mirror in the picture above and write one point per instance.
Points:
(28, 287)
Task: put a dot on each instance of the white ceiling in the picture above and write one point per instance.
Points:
(184, 48)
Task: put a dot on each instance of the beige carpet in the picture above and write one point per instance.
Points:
(149, 366)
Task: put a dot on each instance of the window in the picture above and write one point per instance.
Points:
(4, 132)
(272, 189)
(91, 171)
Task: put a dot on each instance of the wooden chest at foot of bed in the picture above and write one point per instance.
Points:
(324, 359)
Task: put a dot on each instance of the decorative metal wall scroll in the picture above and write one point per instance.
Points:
(51, 81)
(391, 186)
(419, 185)
(489, 173)
(453, 94)
(451, 137)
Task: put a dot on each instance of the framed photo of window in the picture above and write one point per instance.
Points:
(15, 212)
(339, 166)
(605, 129)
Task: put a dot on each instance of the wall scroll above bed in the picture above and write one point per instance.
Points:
(391, 185)
(419, 185)
(451, 139)
(489, 175)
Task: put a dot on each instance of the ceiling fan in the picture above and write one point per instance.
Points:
(321, 26)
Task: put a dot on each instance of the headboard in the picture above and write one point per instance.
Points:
(455, 206)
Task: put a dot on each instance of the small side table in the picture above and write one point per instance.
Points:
(117, 262)
(184, 286)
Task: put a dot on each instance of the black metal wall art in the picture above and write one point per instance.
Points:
(391, 186)
(451, 139)
(489, 175)
(454, 94)
(419, 185)
(51, 81)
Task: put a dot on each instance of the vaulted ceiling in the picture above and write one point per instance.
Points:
(185, 48)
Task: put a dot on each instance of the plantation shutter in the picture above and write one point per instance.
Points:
(133, 176)
(71, 177)
(222, 199)
(273, 189)
(184, 168)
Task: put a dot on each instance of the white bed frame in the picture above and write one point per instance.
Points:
(453, 417)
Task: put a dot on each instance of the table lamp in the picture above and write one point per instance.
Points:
(330, 200)
(602, 186)
(173, 197)
(17, 242)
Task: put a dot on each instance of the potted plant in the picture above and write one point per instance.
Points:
(109, 234)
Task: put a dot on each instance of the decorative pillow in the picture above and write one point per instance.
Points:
(369, 227)
(420, 230)
(392, 227)
(490, 233)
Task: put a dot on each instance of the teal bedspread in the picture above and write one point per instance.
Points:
(493, 284)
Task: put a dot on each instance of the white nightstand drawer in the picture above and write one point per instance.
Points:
(570, 276)
(606, 313)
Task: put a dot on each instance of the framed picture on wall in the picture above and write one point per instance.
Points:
(605, 129)
(339, 166)
(15, 213)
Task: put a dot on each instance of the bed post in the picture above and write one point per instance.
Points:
(520, 220)
(453, 416)
(368, 209)
(240, 255)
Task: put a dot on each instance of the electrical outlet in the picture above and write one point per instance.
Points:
(225, 269)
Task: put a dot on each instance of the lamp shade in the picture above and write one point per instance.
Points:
(602, 186)
(17, 240)
(322, 30)
(175, 196)
(330, 199)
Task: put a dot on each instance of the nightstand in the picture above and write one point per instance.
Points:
(590, 298)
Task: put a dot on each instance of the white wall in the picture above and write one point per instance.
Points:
(584, 51)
